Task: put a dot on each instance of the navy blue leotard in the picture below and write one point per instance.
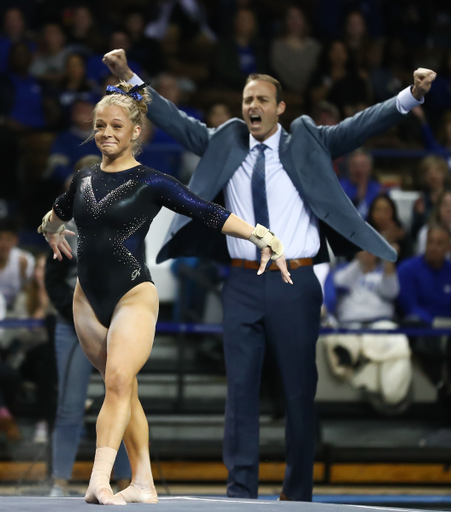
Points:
(113, 212)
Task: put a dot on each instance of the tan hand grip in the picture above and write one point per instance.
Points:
(46, 226)
(262, 237)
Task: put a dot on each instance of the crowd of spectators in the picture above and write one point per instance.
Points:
(333, 58)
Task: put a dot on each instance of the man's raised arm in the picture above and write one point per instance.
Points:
(190, 133)
(352, 132)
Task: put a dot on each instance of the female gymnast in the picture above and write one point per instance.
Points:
(115, 302)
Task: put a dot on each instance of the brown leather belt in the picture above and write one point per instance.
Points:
(255, 265)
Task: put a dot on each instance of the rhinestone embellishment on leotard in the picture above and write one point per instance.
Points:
(96, 208)
(125, 256)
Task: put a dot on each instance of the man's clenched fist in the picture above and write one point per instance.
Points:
(116, 60)
(422, 80)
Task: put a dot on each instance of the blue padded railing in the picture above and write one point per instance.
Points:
(192, 328)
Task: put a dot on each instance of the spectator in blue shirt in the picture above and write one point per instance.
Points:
(83, 33)
(14, 31)
(21, 111)
(439, 98)
(169, 87)
(434, 176)
(142, 46)
(359, 186)
(425, 280)
(242, 54)
(21, 101)
(74, 87)
(96, 71)
(442, 146)
(159, 156)
(68, 146)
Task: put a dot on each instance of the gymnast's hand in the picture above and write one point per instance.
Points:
(59, 244)
(280, 262)
(116, 60)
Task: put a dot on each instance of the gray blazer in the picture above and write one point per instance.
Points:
(306, 155)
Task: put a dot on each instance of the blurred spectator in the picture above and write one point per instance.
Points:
(294, 55)
(440, 93)
(434, 178)
(383, 217)
(409, 20)
(188, 15)
(21, 110)
(68, 146)
(14, 31)
(441, 147)
(32, 350)
(50, 61)
(217, 115)
(369, 288)
(179, 163)
(21, 101)
(330, 16)
(440, 215)
(83, 34)
(16, 265)
(398, 60)
(426, 280)
(74, 87)
(336, 81)
(359, 186)
(325, 114)
(440, 27)
(169, 87)
(96, 71)
(145, 51)
(356, 38)
(155, 154)
(244, 53)
(9, 385)
(384, 84)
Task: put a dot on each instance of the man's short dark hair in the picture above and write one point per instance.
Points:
(271, 80)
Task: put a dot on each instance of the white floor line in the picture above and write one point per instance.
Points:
(192, 498)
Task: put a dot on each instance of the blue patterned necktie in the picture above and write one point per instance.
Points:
(259, 191)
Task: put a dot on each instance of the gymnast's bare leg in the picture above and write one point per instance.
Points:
(119, 352)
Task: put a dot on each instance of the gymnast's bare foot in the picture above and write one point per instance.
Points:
(137, 494)
(103, 496)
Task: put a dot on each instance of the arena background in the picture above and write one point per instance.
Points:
(333, 58)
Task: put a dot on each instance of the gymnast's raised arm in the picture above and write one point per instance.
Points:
(187, 131)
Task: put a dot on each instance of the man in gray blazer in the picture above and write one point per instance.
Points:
(284, 180)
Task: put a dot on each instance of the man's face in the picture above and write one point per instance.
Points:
(260, 109)
(437, 247)
(359, 168)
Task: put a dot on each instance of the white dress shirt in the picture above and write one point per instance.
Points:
(289, 217)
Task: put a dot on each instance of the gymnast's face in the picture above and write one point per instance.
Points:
(114, 131)
(260, 109)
